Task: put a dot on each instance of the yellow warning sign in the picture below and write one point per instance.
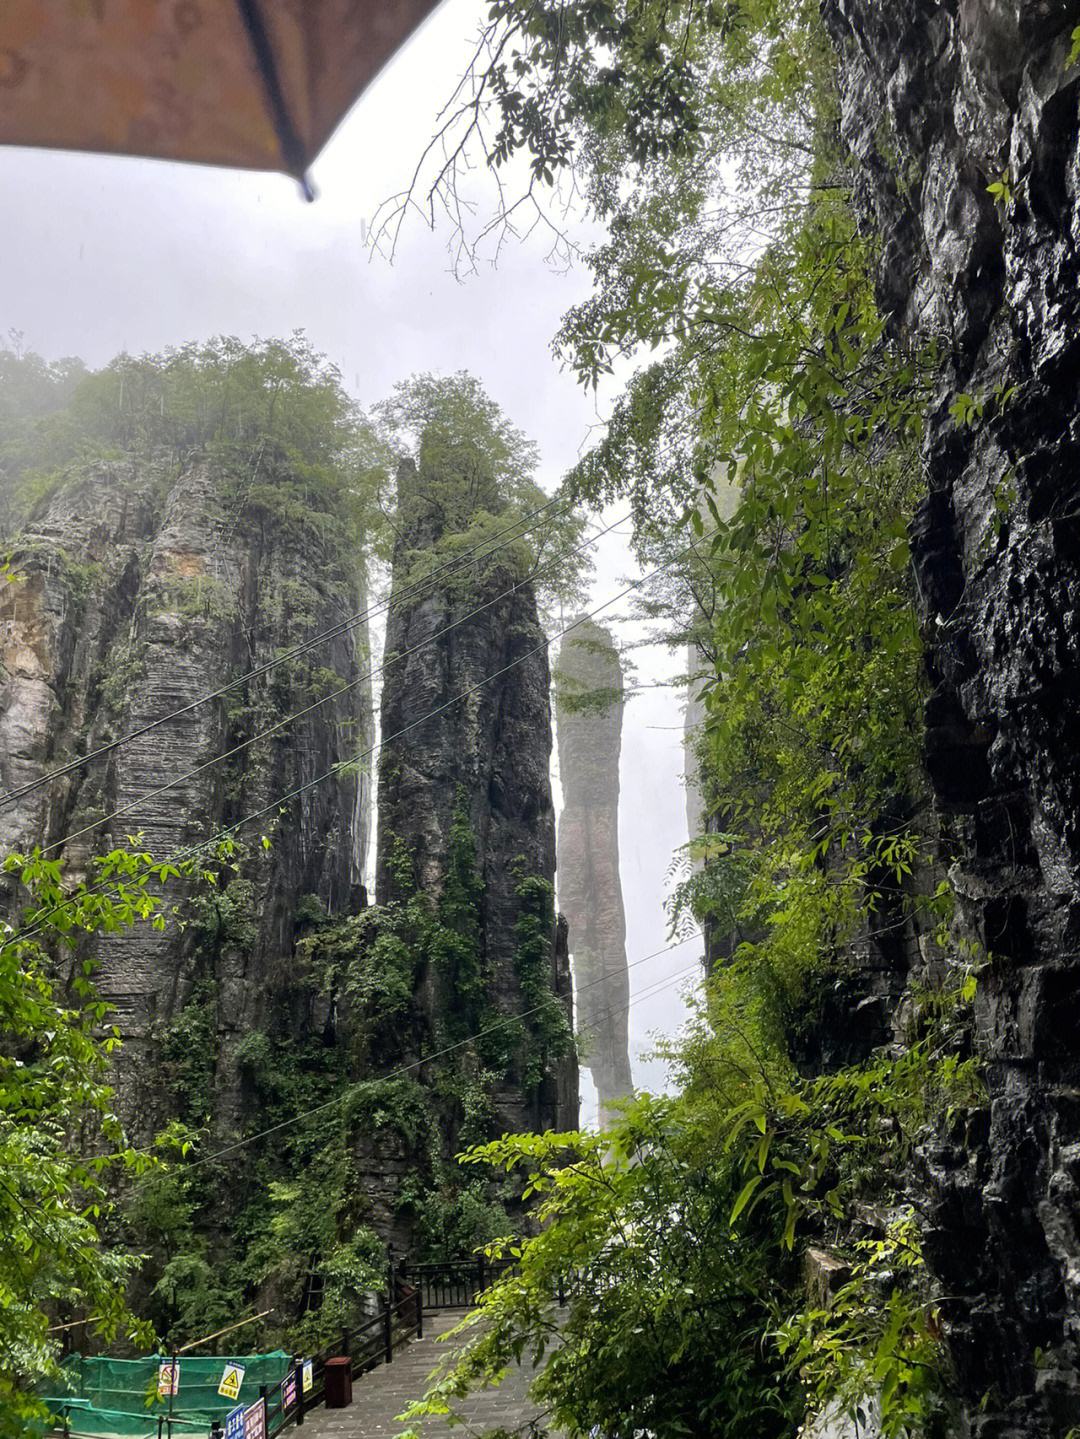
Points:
(231, 1380)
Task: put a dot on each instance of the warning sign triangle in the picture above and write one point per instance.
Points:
(231, 1381)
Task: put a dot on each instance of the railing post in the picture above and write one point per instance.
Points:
(298, 1380)
(344, 1341)
(388, 1332)
(419, 1312)
(481, 1271)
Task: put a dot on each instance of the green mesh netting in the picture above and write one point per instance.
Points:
(119, 1396)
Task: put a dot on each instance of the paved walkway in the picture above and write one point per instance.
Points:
(384, 1392)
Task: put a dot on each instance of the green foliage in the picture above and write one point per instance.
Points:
(875, 1351)
(31, 390)
(546, 1025)
(777, 427)
(224, 916)
(62, 1148)
(198, 597)
(294, 1208)
(455, 940)
(458, 435)
(1001, 189)
(188, 1053)
(673, 1237)
(184, 1289)
(273, 412)
(474, 477)
(371, 966)
(664, 1310)
(457, 1217)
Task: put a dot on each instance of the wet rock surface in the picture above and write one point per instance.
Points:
(938, 101)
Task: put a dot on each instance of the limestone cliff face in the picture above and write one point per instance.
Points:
(143, 590)
(484, 757)
(590, 890)
(938, 101)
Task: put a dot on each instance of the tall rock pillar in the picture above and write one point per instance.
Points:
(139, 596)
(466, 729)
(590, 890)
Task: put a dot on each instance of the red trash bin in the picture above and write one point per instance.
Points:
(337, 1378)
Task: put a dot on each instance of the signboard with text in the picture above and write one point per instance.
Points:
(255, 1420)
(288, 1390)
(234, 1423)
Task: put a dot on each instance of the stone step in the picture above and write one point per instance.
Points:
(380, 1395)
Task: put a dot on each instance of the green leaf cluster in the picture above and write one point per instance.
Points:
(63, 1150)
(474, 476)
(272, 413)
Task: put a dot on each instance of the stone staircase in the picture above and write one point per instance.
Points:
(383, 1393)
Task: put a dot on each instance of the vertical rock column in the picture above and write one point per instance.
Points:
(590, 891)
(485, 755)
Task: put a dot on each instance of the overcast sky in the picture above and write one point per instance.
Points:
(99, 255)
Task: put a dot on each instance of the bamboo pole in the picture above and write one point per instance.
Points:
(227, 1330)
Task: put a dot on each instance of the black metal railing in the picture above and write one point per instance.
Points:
(367, 1345)
(453, 1283)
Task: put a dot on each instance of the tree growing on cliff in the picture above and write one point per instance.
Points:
(659, 1328)
(274, 413)
(478, 472)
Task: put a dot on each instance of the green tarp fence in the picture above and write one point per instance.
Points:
(120, 1396)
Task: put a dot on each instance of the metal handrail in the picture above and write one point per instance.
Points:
(368, 1344)
(454, 1283)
